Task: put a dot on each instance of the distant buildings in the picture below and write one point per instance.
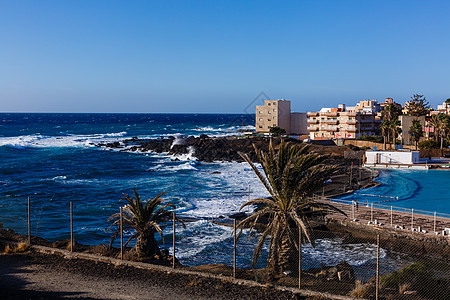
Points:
(365, 118)
(277, 113)
(361, 119)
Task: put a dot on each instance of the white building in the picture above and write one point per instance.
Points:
(393, 159)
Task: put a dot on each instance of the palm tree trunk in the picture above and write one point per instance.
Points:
(146, 245)
(288, 256)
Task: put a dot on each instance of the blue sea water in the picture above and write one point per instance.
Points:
(52, 158)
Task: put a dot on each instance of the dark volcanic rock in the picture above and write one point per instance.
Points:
(209, 149)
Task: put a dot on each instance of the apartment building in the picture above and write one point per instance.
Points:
(277, 113)
(335, 123)
(444, 108)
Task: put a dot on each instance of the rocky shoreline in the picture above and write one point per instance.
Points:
(209, 149)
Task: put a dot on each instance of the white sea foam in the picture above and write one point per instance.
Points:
(332, 251)
(42, 141)
(197, 236)
(230, 189)
(168, 167)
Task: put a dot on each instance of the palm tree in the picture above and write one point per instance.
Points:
(291, 175)
(144, 218)
(385, 130)
(416, 131)
(441, 124)
(395, 128)
(390, 115)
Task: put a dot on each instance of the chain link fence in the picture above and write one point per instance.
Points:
(356, 260)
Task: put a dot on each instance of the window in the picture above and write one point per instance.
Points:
(268, 104)
(260, 126)
(274, 118)
(274, 103)
(269, 112)
(274, 110)
(260, 112)
(260, 119)
(269, 120)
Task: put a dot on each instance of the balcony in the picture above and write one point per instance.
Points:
(351, 122)
(330, 114)
(330, 128)
(330, 121)
(312, 128)
(366, 120)
(311, 121)
(351, 114)
(312, 113)
(351, 129)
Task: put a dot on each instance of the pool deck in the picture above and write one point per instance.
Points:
(401, 221)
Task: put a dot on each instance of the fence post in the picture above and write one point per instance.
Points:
(173, 240)
(71, 226)
(434, 223)
(29, 223)
(121, 233)
(371, 212)
(234, 248)
(351, 173)
(378, 267)
(412, 219)
(299, 258)
(391, 215)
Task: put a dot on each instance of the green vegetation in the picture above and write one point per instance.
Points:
(416, 131)
(441, 124)
(390, 126)
(291, 175)
(428, 144)
(417, 106)
(144, 219)
(277, 131)
(418, 277)
(371, 138)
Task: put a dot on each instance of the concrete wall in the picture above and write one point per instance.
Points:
(379, 146)
(284, 115)
(406, 122)
(299, 124)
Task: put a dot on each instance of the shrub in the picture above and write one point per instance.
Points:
(371, 138)
(418, 277)
(428, 144)
(361, 290)
(277, 131)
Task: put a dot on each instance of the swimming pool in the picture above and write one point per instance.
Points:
(427, 190)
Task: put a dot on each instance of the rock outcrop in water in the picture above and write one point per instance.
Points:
(208, 149)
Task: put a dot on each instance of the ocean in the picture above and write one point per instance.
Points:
(53, 159)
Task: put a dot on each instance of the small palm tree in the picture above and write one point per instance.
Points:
(416, 131)
(291, 175)
(441, 124)
(144, 218)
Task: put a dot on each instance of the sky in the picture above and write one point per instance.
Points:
(219, 56)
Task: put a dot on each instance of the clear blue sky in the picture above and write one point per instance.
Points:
(217, 56)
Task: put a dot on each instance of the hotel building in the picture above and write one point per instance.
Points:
(277, 113)
(335, 123)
